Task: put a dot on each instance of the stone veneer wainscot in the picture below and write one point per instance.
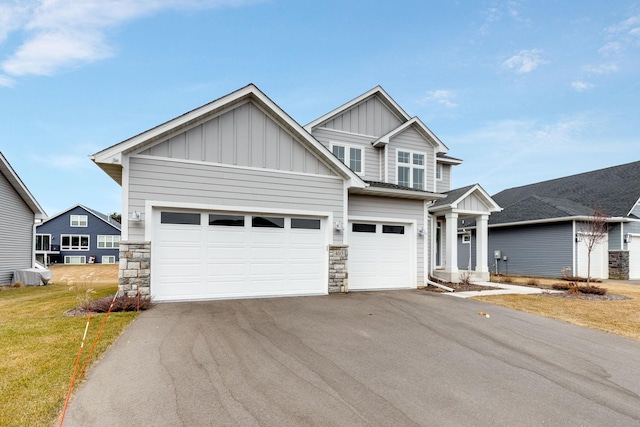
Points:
(135, 269)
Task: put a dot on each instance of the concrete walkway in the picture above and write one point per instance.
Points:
(505, 289)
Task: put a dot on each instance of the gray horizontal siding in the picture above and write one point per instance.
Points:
(615, 237)
(243, 136)
(401, 209)
(16, 232)
(411, 140)
(369, 117)
(181, 182)
(372, 155)
(443, 185)
(536, 250)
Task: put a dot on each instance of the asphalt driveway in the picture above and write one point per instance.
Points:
(380, 358)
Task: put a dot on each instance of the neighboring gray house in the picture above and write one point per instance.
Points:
(19, 210)
(78, 235)
(540, 231)
(236, 199)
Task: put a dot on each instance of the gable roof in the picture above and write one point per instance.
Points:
(417, 124)
(95, 213)
(376, 91)
(15, 181)
(110, 159)
(455, 197)
(614, 190)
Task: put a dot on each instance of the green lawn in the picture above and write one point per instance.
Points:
(39, 346)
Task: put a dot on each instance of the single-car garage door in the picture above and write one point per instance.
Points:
(211, 255)
(380, 256)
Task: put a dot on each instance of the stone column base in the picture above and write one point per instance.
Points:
(135, 269)
(338, 268)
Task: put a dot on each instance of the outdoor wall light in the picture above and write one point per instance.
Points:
(135, 216)
(421, 231)
(627, 238)
(339, 225)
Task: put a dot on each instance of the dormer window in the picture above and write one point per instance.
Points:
(411, 169)
(350, 156)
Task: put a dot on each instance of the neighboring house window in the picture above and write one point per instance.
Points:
(350, 156)
(108, 242)
(466, 238)
(79, 220)
(74, 242)
(109, 259)
(75, 259)
(411, 169)
(43, 242)
(439, 172)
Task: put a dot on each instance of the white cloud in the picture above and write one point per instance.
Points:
(525, 61)
(6, 81)
(601, 69)
(580, 86)
(65, 33)
(440, 96)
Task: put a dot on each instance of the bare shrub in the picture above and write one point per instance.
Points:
(506, 279)
(465, 278)
(595, 290)
(533, 282)
(122, 303)
(575, 289)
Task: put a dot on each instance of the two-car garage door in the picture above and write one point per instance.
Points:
(210, 255)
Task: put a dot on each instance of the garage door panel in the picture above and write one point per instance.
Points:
(218, 261)
(380, 260)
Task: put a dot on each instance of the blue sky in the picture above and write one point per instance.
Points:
(522, 91)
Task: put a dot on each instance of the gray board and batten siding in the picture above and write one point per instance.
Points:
(401, 209)
(243, 136)
(175, 181)
(444, 183)
(535, 250)
(16, 232)
(369, 117)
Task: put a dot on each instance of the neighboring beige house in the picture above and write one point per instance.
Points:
(236, 199)
(19, 210)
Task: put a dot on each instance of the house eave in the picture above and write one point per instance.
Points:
(559, 219)
(397, 193)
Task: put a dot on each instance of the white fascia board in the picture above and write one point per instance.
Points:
(632, 207)
(397, 193)
(448, 161)
(422, 128)
(21, 189)
(488, 201)
(336, 112)
(542, 221)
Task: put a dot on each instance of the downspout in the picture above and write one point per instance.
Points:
(438, 285)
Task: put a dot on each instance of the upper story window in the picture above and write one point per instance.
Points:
(43, 242)
(439, 171)
(411, 169)
(79, 220)
(350, 156)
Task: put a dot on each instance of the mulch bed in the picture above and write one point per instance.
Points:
(587, 297)
(459, 287)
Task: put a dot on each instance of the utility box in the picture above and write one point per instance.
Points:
(497, 255)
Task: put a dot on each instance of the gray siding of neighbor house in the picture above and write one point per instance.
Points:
(536, 250)
(615, 236)
(401, 209)
(373, 157)
(443, 185)
(411, 140)
(208, 184)
(463, 253)
(243, 136)
(370, 117)
(16, 232)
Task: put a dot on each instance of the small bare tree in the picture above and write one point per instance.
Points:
(595, 231)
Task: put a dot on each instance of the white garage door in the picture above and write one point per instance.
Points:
(380, 256)
(599, 259)
(634, 257)
(216, 255)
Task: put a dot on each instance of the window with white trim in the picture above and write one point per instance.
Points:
(74, 259)
(109, 259)
(74, 242)
(43, 242)
(411, 169)
(79, 220)
(108, 242)
(349, 155)
(439, 171)
(466, 238)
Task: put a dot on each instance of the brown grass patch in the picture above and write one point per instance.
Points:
(617, 317)
(97, 273)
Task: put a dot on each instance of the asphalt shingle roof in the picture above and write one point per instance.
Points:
(613, 190)
(452, 196)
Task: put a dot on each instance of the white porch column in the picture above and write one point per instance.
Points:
(451, 256)
(482, 242)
